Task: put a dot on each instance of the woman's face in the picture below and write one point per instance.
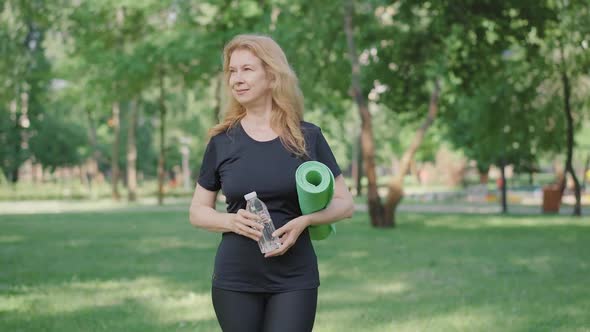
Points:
(247, 77)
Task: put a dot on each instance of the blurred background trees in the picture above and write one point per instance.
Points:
(120, 94)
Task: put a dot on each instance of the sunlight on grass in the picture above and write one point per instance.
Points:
(387, 288)
(540, 264)
(156, 244)
(182, 307)
(535, 222)
(11, 239)
(354, 254)
(167, 303)
(345, 316)
(76, 243)
(74, 296)
(349, 294)
(382, 317)
(143, 271)
(470, 319)
(477, 222)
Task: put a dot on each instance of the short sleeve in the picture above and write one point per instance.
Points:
(324, 154)
(208, 174)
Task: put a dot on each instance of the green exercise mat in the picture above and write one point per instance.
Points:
(315, 189)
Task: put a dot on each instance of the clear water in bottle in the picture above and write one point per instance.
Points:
(267, 241)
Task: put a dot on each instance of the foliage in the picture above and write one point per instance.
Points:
(497, 63)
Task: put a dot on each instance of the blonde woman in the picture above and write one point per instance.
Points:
(258, 147)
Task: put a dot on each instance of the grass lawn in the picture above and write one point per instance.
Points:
(150, 271)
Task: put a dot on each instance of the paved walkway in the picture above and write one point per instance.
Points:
(182, 204)
(60, 206)
(476, 209)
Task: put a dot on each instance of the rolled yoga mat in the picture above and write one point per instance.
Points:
(315, 189)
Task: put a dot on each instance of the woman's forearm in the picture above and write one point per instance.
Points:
(338, 209)
(209, 219)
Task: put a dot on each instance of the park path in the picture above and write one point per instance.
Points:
(466, 208)
(182, 204)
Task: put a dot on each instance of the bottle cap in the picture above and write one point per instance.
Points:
(250, 196)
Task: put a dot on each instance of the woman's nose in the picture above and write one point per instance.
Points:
(238, 77)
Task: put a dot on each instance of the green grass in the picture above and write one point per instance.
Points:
(150, 271)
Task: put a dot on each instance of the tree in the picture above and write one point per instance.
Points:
(417, 46)
(504, 120)
(58, 143)
(24, 73)
(97, 32)
(567, 40)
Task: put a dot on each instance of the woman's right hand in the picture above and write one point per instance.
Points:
(246, 224)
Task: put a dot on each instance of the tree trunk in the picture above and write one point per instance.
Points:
(570, 136)
(37, 173)
(396, 190)
(81, 170)
(161, 158)
(92, 164)
(186, 171)
(483, 178)
(415, 171)
(585, 176)
(357, 166)
(22, 92)
(17, 152)
(361, 170)
(503, 187)
(354, 166)
(368, 149)
(483, 172)
(132, 153)
(115, 122)
(531, 177)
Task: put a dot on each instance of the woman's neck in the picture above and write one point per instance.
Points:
(259, 114)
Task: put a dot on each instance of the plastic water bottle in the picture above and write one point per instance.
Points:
(267, 241)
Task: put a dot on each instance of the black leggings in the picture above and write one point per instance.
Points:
(269, 312)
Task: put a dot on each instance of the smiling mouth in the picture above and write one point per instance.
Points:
(242, 91)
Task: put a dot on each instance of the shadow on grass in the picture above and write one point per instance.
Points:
(469, 273)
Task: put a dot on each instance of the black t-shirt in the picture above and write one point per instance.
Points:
(237, 164)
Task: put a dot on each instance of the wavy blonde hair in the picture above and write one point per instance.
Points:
(287, 99)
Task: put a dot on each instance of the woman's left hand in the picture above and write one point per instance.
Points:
(288, 235)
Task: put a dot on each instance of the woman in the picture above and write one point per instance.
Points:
(258, 147)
